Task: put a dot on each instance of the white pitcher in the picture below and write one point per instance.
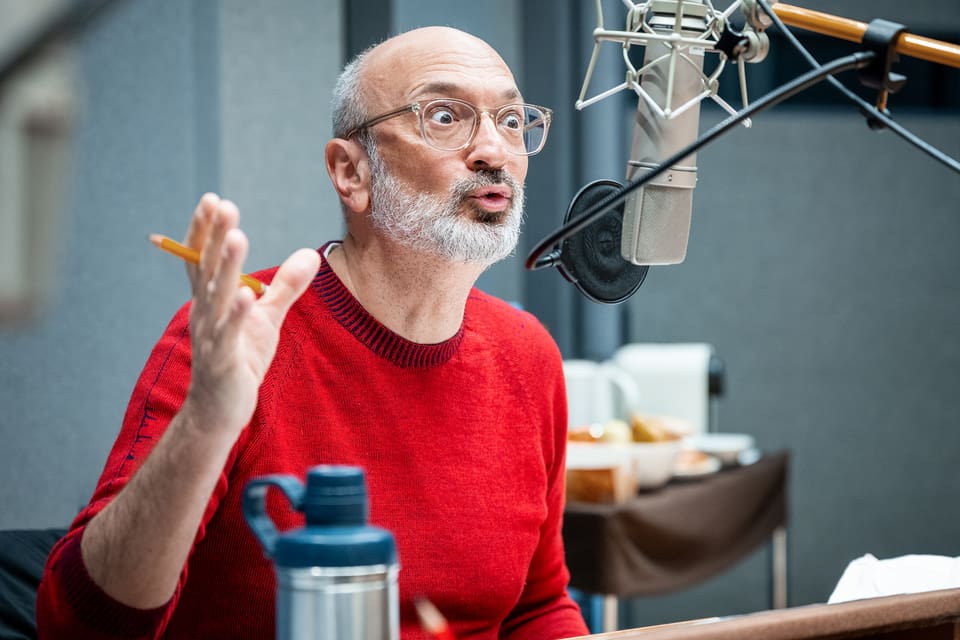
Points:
(597, 392)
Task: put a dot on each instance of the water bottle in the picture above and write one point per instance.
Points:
(337, 576)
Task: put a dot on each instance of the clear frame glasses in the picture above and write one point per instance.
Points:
(448, 124)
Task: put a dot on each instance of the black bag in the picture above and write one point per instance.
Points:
(23, 554)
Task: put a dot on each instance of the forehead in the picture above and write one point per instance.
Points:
(447, 64)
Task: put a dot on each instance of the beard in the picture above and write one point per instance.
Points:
(435, 223)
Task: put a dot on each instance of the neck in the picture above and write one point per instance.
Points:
(419, 297)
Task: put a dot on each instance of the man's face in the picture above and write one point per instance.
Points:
(465, 205)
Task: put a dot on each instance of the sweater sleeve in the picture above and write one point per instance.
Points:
(69, 603)
(545, 610)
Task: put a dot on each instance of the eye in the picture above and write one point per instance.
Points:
(441, 116)
(511, 120)
(444, 113)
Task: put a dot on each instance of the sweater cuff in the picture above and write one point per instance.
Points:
(94, 607)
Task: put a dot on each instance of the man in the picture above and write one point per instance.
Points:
(377, 352)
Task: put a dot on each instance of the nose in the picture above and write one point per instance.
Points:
(488, 149)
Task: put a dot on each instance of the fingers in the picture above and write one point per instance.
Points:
(219, 314)
(230, 324)
(226, 257)
(289, 283)
(212, 219)
(200, 223)
(225, 217)
(223, 248)
(219, 302)
(199, 229)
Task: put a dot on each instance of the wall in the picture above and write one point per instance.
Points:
(177, 98)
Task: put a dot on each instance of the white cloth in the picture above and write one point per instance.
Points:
(868, 577)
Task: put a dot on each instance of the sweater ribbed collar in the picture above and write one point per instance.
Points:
(369, 331)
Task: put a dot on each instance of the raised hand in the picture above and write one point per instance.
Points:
(233, 334)
(136, 547)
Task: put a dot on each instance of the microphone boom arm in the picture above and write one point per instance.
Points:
(907, 44)
(876, 116)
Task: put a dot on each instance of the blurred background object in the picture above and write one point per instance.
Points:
(36, 107)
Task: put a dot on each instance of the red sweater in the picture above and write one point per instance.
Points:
(462, 444)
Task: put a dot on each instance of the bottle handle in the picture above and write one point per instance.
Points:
(625, 384)
(255, 505)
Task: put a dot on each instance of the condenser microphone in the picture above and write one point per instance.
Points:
(607, 257)
(656, 219)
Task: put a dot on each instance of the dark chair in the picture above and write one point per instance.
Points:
(23, 553)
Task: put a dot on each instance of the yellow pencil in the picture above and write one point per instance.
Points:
(432, 621)
(193, 256)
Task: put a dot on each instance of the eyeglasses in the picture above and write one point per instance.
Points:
(448, 124)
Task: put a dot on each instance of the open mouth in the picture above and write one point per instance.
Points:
(493, 198)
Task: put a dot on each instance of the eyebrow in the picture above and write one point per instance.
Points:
(441, 88)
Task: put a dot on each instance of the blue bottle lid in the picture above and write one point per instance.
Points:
(336, 532)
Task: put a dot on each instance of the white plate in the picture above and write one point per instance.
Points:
(725, 446)
(704, 467)
(598, 455)
(748, 456)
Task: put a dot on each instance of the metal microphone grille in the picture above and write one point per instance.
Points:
(659, 233)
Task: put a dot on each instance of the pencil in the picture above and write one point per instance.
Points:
(433, 621)
(193, 256)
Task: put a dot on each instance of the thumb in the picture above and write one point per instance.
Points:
(289, 283)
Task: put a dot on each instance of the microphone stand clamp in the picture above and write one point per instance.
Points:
(880, 38)
(748, 45)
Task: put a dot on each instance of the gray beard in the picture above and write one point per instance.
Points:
(435, 224)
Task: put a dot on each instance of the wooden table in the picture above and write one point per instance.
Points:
(933, 615)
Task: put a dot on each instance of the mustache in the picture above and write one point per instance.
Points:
(463, 187)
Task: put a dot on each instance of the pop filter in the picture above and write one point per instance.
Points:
(591, 259)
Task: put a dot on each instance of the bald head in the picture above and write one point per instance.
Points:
(424, 62)
(402, 64)
(426, 39)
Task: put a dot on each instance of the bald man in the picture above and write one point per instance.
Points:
(375, 350)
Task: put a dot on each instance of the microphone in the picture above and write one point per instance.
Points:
(656, 219)
(653, 224)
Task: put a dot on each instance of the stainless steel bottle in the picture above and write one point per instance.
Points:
(336, 576)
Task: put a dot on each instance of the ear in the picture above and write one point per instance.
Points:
(349, 170)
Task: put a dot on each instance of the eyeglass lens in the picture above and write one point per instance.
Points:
(450, 124)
